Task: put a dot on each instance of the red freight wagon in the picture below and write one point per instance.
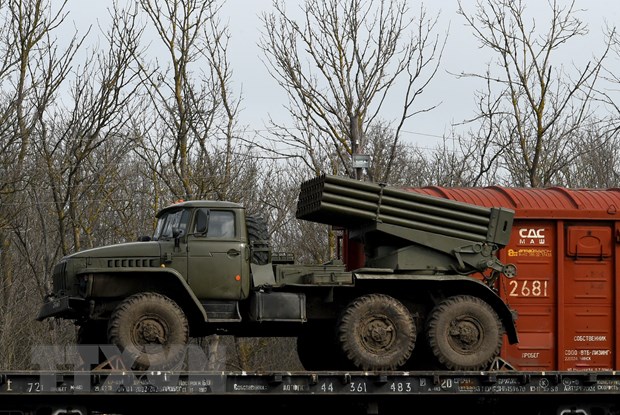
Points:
(565, 246)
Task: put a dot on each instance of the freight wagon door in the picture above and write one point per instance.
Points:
(563, 293)
(532, 293)
(588, 292)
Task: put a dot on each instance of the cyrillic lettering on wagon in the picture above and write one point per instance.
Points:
(531, 236)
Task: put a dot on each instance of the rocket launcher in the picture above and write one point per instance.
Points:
(405, 231)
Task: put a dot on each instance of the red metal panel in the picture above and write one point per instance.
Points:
(564, 301)
(564, 243)
(553, 202)
(588, 341)
(588, 241)
(588, 298)
(533, 294)
(536, 349)
(615, 318)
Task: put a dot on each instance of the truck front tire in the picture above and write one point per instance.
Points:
(464, 333)
(151, 330)
(377, 332)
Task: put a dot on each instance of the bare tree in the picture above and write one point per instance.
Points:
(78, 145)
(339, 66)
(70, 140)
(31, 73)
(610, 143)
(45, 153)
(539, 106)
(599, 164)
(32, 68)
(191, 140)
(477, 156)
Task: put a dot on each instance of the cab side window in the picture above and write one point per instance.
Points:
(221, 224)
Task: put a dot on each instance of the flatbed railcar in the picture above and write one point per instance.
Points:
(486, 392)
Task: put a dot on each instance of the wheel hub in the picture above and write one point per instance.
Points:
(151, 331)
(378, 333)
(465, 333)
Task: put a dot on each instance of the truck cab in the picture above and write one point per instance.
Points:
(199, 251)
(163, 289)
(206, 235)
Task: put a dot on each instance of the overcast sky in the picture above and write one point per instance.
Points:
(262, 97)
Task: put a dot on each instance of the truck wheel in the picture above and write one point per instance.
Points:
(317, 348)
(258, 235)
(464, 333)
(377, 332)
(151, 331)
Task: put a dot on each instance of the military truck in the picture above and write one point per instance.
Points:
(427, 283)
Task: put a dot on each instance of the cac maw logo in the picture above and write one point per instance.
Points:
(531, 236)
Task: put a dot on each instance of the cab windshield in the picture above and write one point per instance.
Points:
(169, 222)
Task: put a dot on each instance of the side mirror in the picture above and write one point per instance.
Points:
(202, 219)
(176, 234)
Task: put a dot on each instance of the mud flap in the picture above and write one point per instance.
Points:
(262, 275)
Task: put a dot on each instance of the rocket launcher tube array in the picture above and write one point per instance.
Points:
(340, 201)
(395, 215)
(408, 204)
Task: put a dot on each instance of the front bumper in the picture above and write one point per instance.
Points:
(64, 307)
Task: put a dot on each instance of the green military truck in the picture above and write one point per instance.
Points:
(427, 283)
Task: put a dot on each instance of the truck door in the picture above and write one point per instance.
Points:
(173, 249)
(215, 255)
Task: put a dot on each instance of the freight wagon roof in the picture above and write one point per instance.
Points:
(552, 202)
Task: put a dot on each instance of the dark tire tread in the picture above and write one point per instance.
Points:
(258, 234)
(393, 316)
(475, 309)
(163, 308)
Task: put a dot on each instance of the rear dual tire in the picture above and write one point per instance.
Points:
(377, 332)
